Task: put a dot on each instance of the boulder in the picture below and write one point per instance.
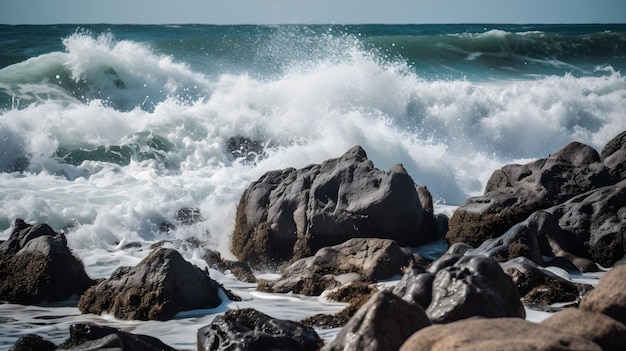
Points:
(515, 191)
(603, 330)
(473, 286)
(613, 156)
(239, 269)
(249, 329)
(383, 323)
(32, 342)
(609, 296)
(290, 214)
(596, 221)
(95, 337)
(495, 334)
(370, 259)
(160, 286)
(539, 286)
(416, 286)
(37, 266)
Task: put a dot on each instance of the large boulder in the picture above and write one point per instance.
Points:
(495, 334)
(609, 296)
(292, 213)
(370, 259)
(37, 266)
(457, 287)
(515, 191)
(160, 286)
(614, 156)
(382, 323)
(249, 329)
(597, 327)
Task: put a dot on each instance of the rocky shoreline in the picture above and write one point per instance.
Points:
(344, 225)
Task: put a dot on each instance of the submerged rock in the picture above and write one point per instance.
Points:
(383, 323)
(495, 334)
(249, 329)
(369, 259)
(160, 286)
(37, 266)
(290, 214)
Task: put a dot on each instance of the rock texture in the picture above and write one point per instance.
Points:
(495, 334)
(249, 329)
(160, 286)
(290, 214)
(95, 337)
(516, 191)
(37, 266)
(609, 296)
(383, 323)
(369, 259)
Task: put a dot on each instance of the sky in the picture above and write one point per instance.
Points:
(310, 12)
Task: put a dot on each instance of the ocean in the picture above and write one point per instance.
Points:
(107, 131)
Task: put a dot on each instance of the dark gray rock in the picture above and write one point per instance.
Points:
(609, 296)
(160, 286)
(383, 323)
(515, 191)
(371, 259)
(239, 269)
(473, 286)
(614, 156)
(85, 337)
(32, 342)
(416, 286)
(290, 214)
(249, 329)
(37, 266)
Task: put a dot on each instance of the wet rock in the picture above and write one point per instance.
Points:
(290, 214)
(614, 156)
(32, 342)
(239, 269)
(356, 294)
(416, 286)
(603, 330)
(95, 337)
(495, 334)
(473, 286)
(160, 286)
(383, 323)
(245, 149)
(539, 286)
(37, 266)
(515, 191)
(609, 296)
(370, 259)
(249, 329)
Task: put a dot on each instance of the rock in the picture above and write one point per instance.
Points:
(603, 330)
(370, 259)
(37, 266)
(539, 286)
(249, 329)
(247, 150)
(383, 323)
(613, 156)
(32, 342)
(609, 296)
(95, 337)
(515, 191)
(596, 221)
(495, 334)
(473, 286)
(356, 294)
(160, 286)
(239, 269)
(416, 286)
(290, 214)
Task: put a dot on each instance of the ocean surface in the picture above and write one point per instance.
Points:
(107, 131)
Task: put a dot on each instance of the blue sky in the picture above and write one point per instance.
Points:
(306, 12)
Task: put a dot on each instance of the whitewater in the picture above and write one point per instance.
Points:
(108, 131)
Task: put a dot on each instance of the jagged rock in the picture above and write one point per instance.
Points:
(290, 214)
(473, 286)
(37, 266)
(614, 156)
(94, 337)
(160, 286)
(239, 269)
(383, 323)
(515, 191)
(540, 286)
(495, 334)
(249, 329)
(603, 330)
(371, 259)
(609, 296)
